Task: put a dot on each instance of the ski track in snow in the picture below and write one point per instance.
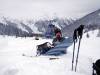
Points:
(13, 63)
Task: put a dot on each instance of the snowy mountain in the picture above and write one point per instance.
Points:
(13, 27)
(60, 23)
(91, 22)
(27, 28)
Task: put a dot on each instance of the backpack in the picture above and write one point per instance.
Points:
(96, 67)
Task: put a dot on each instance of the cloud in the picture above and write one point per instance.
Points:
(40, 8)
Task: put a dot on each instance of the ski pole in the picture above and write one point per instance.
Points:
(77, 54)
(73, 55)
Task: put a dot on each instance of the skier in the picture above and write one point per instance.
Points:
(58, 37)
(43, 48)
(56, 30)
(50, 31)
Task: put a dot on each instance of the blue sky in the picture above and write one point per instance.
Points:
(22, 9)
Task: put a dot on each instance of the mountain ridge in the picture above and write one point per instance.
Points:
(30, 27)
(91, 20)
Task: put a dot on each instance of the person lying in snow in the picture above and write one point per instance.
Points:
(43, 48)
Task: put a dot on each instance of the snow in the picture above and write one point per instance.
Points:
(21, 27)
(31, 23)
(13, 63)
(2, 20)
(99, 14)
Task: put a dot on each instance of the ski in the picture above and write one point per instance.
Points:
(28, 55)
(53, 58)
(50, 58)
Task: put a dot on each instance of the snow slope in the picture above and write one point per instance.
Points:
(90, 46)
(13, 63)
